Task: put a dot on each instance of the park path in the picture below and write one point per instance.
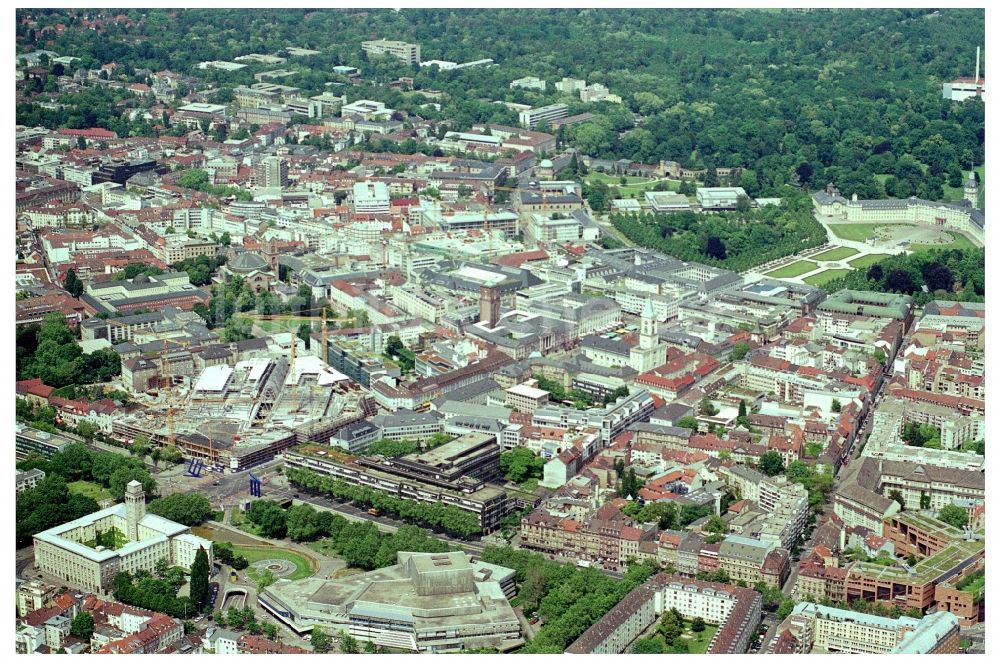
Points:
(862, 248)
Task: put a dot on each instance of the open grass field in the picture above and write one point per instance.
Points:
(304, 567)
(323, 546)
(820, 279)
(698, 643)
(794, 269)
(856, 232)
(634, 186)
(613, 180)
(835, 254)
(868, 260)
(238, 519)
(282, 325)
(89, 489)
(218, 533)
(956, 193)
(959, 242)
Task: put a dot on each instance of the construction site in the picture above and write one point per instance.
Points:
(234, 412)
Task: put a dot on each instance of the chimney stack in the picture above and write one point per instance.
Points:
(977, 65)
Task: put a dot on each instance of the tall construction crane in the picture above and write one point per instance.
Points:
(169, 379)
(293, 320)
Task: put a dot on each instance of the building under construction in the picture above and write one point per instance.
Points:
(237, 416)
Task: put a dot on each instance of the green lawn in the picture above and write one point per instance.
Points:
(956, 193)
(855, 232)
(794, 269)
(281, 325)
(868, 260)
(958, 242)
(239, 519)
(303, 566)
(975, 583)
(820, 279)
(835, 254)
(613, 180)
(324, 546)
(530, 485)
(89, 489)
(634, 186)
(698, 643)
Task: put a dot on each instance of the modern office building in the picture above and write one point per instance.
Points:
(531, 118)
(28, 441)
(371, 198)
(119, 171)
(407, 53)
(459, 474)
(271, 172)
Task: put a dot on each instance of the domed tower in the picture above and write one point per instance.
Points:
(970, 191)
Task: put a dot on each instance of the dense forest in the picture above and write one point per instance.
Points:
(811, 97)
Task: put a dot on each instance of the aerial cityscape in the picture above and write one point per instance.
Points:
(568, 331)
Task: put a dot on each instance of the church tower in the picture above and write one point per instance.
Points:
(135, 508)
(648, 337)
(971, 189)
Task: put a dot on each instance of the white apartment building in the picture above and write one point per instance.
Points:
(570, 86)
(529, 82)
(531, 118)
(526, 397)
(417, 302)
(371, 198)
(836, 630)
(408, 54)
(28, 479)
(597, 92)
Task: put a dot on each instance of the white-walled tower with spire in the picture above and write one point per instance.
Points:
(647, 328)
(650, 352)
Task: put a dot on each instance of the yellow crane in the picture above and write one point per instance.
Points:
(292, 320)
(169, 379)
